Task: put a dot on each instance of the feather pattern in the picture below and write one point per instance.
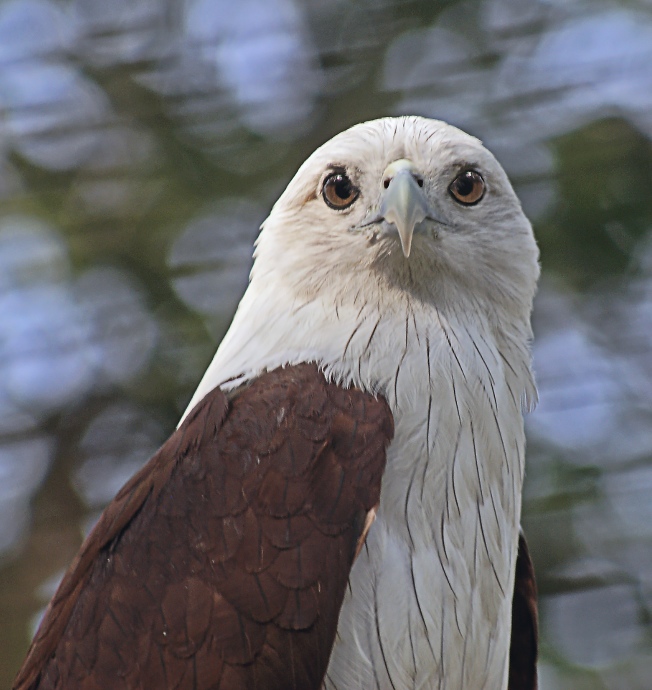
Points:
(223, 563)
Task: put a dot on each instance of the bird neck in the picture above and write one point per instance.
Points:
(376, 341)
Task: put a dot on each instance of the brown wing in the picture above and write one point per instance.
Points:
(525, 636)
(223, 563)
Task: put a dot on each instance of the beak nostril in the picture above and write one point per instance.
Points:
(417, 179)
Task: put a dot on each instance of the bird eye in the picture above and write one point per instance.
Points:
(467, 188)
(338, 191)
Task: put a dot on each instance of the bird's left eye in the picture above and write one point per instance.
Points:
(338, 191)
(467, 188)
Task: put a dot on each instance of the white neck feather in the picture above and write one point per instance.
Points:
(360, 337)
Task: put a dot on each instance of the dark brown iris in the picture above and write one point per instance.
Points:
(467, 188)
(338, 191)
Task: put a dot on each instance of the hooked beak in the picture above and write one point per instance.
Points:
(403, 205)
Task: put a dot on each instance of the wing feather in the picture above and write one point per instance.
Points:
(223, 562)
(525, 637)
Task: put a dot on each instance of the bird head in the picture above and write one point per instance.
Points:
(392, 217)
(418, 204)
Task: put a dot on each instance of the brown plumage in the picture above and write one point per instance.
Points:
(224, 561)
(525, 637)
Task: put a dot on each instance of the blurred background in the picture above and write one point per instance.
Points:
(142, 142)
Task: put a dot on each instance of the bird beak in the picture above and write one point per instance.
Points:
(404, 204)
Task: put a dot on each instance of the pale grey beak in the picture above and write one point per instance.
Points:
(404, 204)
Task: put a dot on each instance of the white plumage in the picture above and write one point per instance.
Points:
(444, 336)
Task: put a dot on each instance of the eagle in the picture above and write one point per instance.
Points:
(339, 507)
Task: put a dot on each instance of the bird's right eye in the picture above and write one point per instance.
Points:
(338, 191)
